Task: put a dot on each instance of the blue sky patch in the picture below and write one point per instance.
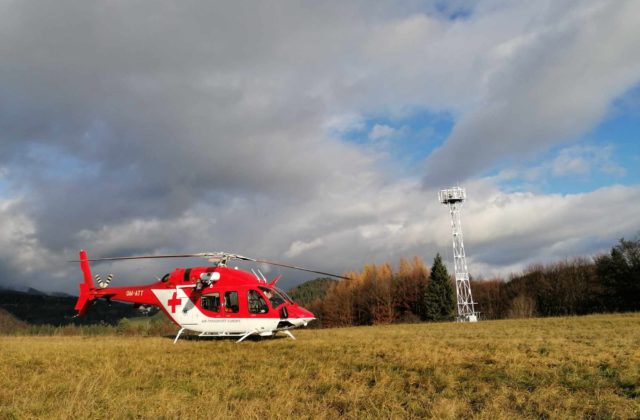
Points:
(453, 11)
(408, 139)
(4, 188)
(609, 154)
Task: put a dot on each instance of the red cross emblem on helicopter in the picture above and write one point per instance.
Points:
(173, 302)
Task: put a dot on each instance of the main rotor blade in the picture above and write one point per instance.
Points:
(213, 256)
(300, 268)
(146, 257)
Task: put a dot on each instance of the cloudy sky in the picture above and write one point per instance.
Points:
(314, 133)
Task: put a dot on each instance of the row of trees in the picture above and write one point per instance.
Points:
(378, 295)
(607, 283)
(415, 292)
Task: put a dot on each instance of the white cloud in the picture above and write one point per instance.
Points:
(300, 247)
(528, 227)
(344, 123)
(21, 251)
(380, 131)
(564, 165)
(582, 161)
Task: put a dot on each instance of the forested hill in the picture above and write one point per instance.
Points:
(34, 307)
(311, 290)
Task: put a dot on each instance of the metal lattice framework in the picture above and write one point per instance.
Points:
(454, 197)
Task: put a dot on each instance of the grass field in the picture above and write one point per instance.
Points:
(580, 367)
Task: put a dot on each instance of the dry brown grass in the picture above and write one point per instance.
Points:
(581, 367)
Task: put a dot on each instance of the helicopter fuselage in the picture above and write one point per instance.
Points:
(213, 301)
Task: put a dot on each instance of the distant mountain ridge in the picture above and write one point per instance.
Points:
(33, 291)
(309, 291)
(36, 307)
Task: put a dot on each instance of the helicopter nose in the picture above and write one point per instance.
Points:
(300, 317)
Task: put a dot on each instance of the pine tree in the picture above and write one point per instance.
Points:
(620, 276)
(440, 303)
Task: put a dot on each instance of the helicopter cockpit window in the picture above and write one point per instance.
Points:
(231, 302)
(284, 295)
(274, 297)
(211, 302)
(257, 304)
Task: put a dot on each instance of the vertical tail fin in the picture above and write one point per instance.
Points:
(86, 297)
(86, 270)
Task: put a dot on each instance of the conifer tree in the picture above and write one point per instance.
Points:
(439, 298)
(620, 276)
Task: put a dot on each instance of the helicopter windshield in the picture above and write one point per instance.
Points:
(286, 296)
(274, 297)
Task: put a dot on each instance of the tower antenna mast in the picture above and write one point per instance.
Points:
(453, 198)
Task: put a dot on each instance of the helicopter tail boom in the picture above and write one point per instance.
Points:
(86, 288)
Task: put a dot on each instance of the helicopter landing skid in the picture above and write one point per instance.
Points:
(244, 336)
(247, 335)
(178, 335)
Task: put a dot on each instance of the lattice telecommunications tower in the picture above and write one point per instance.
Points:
(454, 197)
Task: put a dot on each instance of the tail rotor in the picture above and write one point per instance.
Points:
(103, 284)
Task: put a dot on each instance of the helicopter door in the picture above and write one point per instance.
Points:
(231, 303)
(256, 303)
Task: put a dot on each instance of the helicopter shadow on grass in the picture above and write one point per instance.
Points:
(253, 338)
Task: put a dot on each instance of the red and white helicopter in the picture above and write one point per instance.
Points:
(214, 301)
